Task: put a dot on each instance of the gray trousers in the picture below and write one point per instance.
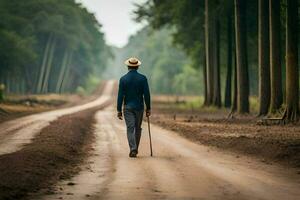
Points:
(133, 119)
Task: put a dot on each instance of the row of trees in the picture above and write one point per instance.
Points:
(159, 57)
(251, 34)
(49, 46)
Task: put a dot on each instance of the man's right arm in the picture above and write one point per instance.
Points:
(120, 98)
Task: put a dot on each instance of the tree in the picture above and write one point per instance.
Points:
(235, 89)
(212, 45)
(292, 71)
(241, 56)
(38, 39)
(275, 56)
(186, 18)
(228, 89)
(217, 62)
(263, 57)
(209, 29)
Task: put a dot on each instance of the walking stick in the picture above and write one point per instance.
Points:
(150, 136)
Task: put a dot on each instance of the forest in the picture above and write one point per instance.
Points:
(222, 122)
(255, 43)
(225, 51)
(169, 69)
(49, 46)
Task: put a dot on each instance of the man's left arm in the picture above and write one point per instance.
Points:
(120, 99)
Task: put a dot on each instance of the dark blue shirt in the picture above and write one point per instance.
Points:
(133, 90)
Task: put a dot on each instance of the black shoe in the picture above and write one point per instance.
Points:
(133, 154)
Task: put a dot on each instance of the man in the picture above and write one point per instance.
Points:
(133, 91)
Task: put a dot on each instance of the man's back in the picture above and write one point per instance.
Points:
(133, 91)
(133, 88)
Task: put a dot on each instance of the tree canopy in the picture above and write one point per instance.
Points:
(167, 67)
(243, 38)
(49, 46)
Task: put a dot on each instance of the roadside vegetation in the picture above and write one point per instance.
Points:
(242, 47)
(49, 46)
(168, 68)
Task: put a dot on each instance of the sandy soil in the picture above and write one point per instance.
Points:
(16, 106)
(70, 159)
(38, 150)
(271, 144)
(180, 169)
(14, 134)
(48, 157)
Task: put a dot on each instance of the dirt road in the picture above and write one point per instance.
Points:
(14, 134)
(180, 169)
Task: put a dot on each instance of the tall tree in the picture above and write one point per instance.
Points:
(275, 56)
(234, 95)
(217, 82)
(235, 88)
(241, 56)
(209, 49)
(263, 57)
(43, 66)
(292, 71)
(212, 45)
(204, 79)
(217, 46)
(227, 100)
(32, 37)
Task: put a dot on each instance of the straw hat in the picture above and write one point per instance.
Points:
(133, 62)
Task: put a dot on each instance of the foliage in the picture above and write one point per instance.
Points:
(49, 46)
(187, 18)
(187, 82)
(164, 64)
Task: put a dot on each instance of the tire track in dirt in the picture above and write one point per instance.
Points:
(14, 134)
(180, 169)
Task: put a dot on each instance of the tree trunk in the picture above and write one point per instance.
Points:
(66, 75)
(292, 76)
(49, 67)
(43, 67)
(209, 19)
(275, 56)
(217, 85)
(263, 57)
(204, 71)
(205, 80)
(234, 98)
(62, 72)
(30, 81)
(241, 55)
(227, 101)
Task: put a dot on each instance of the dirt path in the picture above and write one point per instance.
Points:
(14, 134)
(180, 169)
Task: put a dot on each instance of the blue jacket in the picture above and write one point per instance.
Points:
(133, 90)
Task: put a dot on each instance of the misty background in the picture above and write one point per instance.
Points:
(167, 67)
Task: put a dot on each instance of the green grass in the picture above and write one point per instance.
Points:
(196, 103)
(254, 104)
(191, 104)
(92, 83)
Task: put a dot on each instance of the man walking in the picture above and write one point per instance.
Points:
(133, 92)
